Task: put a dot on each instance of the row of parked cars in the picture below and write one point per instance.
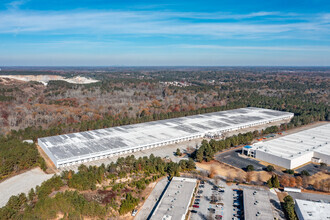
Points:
(214, 207)
(238, 204)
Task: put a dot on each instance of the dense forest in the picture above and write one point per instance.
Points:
(29, 110)
(96, 192)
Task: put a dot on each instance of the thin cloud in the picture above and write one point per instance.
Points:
(157, 23)
(16, 4)
(271, 48)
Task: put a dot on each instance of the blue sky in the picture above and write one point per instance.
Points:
(217, 33)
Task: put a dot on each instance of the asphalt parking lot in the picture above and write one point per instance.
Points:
(204, 197)
(215, 200)
(312, 168)
(232, 158)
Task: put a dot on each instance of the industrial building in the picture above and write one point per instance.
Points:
(257, 205)
(75, 148)
(175, 201)
(309, 210)
(294, 150)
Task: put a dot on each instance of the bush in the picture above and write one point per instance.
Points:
(270, 168)
(304, 173)
(250, 168)
(289, 208)
(273, 182)
(128, 204)
(323, 165)
(289, 171)
(178, 152)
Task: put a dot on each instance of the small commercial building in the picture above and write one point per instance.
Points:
(248, 151)
(69, 149)
(309, 210)
(257, 205)
(291, 189)
(294, 150)
(176, 200)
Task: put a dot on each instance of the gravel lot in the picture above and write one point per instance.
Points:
(21, 183)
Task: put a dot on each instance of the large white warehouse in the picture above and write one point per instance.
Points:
(86, 146)
(294, 150)
(310, 210)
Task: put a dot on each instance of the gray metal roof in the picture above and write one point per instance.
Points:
(125, 137)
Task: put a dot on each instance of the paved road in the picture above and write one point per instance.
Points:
(151, 200)
(310, 196)
(311, 168)
(21, 183)
(232, 158)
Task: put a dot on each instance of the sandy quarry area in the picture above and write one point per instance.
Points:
(44, 79)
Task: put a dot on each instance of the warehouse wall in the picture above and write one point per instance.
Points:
(49, 154)
(302, 159)
(324, 158)
(270, 158)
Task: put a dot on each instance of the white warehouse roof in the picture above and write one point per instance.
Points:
(299, 147)
(176, 200)
(308, 210)
(70, 147)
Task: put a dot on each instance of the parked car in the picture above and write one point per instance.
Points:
(196, 206)
(193, 211)
(218, 217)
(134, 212)
(211, 210)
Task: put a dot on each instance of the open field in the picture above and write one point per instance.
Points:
(21, 183)
(230, 172)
